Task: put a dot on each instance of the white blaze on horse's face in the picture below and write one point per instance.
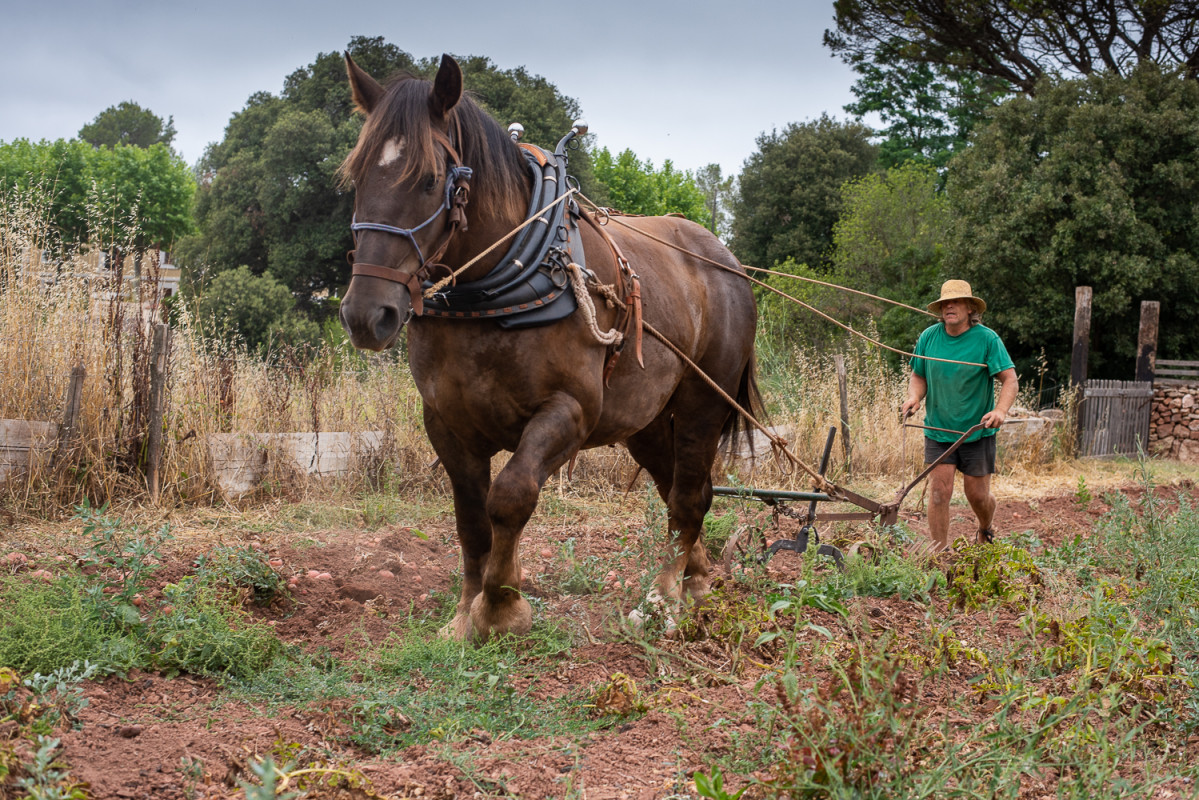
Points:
(391, 151)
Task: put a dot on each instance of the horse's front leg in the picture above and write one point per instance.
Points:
(470, 479)
(549, 439)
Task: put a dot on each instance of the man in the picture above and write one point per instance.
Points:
(960, 396)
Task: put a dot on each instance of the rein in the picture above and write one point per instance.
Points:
(764, 285)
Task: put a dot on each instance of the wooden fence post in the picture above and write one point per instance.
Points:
(1082, 335)
(1078, 356)
(842, 386)
(1147, 340)
(68, 432)
(158, 383)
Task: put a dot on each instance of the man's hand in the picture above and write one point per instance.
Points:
(909, 407)
(993, 419)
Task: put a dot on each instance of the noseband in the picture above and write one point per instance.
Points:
(457, 190)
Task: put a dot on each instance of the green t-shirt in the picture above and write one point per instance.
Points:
(959, 395)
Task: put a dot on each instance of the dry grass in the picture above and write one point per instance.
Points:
(56, 316)
(62, 313)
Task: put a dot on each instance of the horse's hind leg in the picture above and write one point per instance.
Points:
(678, 450)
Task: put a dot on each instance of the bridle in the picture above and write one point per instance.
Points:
(457, 191)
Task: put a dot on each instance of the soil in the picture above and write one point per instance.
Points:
(137, 736)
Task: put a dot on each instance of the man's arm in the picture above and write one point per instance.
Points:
(917, 388)
(1008, 389)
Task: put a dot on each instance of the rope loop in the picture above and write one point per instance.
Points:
(608, 338)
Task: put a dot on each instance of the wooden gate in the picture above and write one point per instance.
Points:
(1115, 417)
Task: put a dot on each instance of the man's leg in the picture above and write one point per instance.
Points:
(978, 494)
(940, 492)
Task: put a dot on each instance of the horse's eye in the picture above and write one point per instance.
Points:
(430, 183)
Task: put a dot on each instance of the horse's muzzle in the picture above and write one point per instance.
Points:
(374, 323)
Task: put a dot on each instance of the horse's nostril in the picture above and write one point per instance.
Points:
(386, 323)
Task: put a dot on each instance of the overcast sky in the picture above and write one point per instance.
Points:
(694, 81)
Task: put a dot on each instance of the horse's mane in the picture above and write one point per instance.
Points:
(403, 112)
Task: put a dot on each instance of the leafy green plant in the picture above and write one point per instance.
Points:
(713, 786)
(1082, 495)
(574, 574)
(992, 573)
(119, 560)
(47, 779)
(207, 632)
(269, 776)
(718, 530)
(243, 567)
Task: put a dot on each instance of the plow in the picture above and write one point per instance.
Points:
(778, 501)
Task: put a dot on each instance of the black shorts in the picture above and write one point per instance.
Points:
(976, 459)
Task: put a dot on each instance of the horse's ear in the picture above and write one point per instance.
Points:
(447, 87)
(366, 90)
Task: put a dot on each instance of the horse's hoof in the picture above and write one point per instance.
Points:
(515, 617)
(696, 589)
(458, 629)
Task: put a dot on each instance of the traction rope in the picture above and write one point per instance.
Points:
(781, 293)
(923, 311)
(778, 443)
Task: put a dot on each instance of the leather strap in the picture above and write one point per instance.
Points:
(408, 279)
(630, 325)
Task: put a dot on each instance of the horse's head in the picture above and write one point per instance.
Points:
(410, 186)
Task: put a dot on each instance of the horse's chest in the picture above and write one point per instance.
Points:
(492, 389)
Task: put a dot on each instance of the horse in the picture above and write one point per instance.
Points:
(545, 390)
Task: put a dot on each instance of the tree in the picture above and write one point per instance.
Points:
(269, 196)
(128, 123)
(1019, 43)
(1090, 182)
(718, 192)
(929, 109)
(790, 194)
(256, 310)
(889, 241)
(120, 196)
(635, 187)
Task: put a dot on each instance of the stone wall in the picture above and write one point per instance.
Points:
(1174, 424)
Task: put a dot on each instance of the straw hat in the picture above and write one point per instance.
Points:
(956, 290)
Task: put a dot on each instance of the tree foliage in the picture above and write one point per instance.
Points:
(718, 192)
(1091, 182)
(929, 109)
(128, 123)
(790, 190)
(889, 241)
(108, 196)
(635, 187)
(256, 310)
(1019, 43)
(269, 197)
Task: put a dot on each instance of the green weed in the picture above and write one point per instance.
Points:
(573, 574)
(1082, 495)
(207, 632)
(992, 573)
(243, 567)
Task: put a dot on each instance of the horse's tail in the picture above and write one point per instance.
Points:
(749, 397)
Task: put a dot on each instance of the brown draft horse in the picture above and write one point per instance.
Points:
(537, 392)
